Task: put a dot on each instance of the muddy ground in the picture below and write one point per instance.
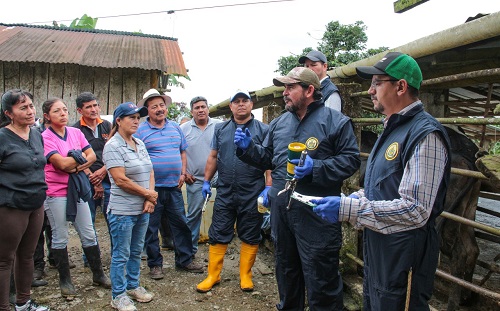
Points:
(177, 290)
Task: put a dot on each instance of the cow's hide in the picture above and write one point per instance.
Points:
(458, 241)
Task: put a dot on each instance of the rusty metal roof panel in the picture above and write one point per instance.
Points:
(93, 48)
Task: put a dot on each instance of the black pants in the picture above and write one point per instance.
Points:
(45, 237)
(307, 256)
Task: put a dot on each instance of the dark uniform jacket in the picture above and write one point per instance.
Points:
(389, 257)
(236, 177)
(328, 136)
(328, 88)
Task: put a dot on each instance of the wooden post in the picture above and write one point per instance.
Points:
(273, 110)
(352, 108)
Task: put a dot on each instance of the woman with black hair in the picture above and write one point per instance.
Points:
(22, 193)
(68, 154)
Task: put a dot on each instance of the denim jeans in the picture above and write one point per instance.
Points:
(128, 232)
(55, 207)
(170, 201)
(195, 202)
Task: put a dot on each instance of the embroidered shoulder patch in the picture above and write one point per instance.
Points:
(312, 143)
(392, 151)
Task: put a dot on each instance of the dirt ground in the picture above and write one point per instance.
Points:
(177, 290)
(174, 292)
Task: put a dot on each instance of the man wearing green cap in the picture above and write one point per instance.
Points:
(406, 179)
(306, 246)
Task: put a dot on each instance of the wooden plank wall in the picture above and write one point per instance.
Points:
(111, 86)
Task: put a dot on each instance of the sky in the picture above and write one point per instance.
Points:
(232, 46)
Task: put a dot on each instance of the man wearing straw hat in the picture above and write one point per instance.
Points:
(166, 146)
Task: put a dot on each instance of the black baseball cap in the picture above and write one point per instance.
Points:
(315, 56)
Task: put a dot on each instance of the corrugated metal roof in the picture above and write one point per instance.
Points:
(93, 48)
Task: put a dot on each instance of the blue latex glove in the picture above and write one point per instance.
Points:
(206, 189)
(353, 196)
(304, 170)
(263, 194)
(327, 208)
(242, 140)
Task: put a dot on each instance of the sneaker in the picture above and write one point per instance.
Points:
(140, 294)
(156, 273)
(192, 267)
(31, 305)
(123, 302)
(144, 256)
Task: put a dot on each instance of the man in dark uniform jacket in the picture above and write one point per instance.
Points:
(406, 179)
(317, 62)
(238, 187)
(306, 246)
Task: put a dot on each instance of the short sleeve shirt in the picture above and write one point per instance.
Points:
(164, 146)
(138, 166)
(199, 142)
(57, 180)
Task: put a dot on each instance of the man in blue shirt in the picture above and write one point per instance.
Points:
(166, 146)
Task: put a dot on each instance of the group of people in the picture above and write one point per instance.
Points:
(135, 171)
(406, 179)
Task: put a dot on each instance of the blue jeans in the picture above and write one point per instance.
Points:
(170, 201)
(55, 207)
(128, 232)
(195, 204)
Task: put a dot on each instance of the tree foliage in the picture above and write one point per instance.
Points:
(175, 110)
(85, 22)
(341, 44)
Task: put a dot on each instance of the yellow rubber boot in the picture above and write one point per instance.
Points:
(247, 258)
(216, 254)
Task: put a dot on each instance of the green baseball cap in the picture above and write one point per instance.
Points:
(297, 75)
(396, 65)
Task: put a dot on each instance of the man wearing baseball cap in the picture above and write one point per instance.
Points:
(166, 145)
(238, 187)
(405, 185)
(316, 61)
(307, 246)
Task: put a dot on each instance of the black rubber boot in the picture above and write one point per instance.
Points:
(61, 260)
(94, 258)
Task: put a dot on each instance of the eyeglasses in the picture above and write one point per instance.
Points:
(376, 83)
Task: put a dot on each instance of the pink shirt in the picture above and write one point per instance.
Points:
(57, 180)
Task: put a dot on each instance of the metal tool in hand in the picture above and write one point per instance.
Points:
(290, 184)
(205, 204)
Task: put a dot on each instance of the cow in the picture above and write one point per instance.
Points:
(458, 241)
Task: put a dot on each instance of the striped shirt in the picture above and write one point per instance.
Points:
(418, 189)
(117, 153)
(164, 146)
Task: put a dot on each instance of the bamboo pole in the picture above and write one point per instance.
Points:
(474, 31)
